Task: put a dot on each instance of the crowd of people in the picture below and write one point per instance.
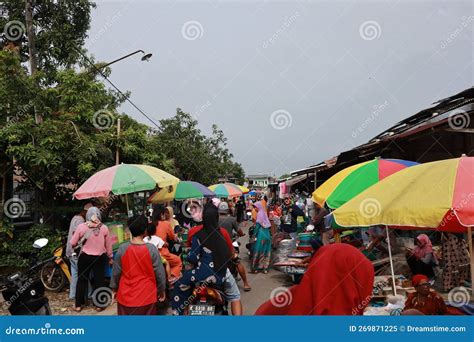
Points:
(148, 273)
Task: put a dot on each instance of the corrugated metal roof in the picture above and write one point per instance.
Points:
(437, 114)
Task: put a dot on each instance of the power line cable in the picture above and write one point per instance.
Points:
(116, 88)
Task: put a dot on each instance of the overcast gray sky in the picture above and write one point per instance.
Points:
(290, 83)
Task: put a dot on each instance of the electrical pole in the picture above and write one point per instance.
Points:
(117, 151)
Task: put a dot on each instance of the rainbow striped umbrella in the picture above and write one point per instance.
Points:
(437, 195)
(183, 190)
(351, 181)
(124, 179)
(226, 190)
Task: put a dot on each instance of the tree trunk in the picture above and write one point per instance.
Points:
(30, 31)
(31, 35)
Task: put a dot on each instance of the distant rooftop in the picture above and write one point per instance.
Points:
(263, 175)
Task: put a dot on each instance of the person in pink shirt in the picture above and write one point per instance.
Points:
(93, 240)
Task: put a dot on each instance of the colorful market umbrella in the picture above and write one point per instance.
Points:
(433, 196)
(351, 181)
(437, 195)
(242, 188)
(183, 190)
(124, 179)
(226, 190)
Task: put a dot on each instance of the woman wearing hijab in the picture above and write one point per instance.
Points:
(196, 212)
(339, 281)
(422, 260)
(95, 249)
(425, 299)
(263, 244)
(209, 255)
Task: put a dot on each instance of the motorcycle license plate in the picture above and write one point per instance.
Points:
(202, 310)
(295, 270)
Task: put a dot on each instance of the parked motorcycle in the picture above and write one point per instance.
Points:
(55, 274)
(207, 300)
(23, 292)
(250, 244)
(233, 265)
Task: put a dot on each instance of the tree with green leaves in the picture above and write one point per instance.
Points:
(60, 32)
(77, 135)
(195, 156)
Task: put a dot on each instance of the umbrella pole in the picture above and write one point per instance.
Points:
(128, 208)
(394, 286)
(471, 255)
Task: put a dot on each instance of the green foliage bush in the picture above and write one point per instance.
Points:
(15, 250)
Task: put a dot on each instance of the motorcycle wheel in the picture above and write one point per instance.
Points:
(52, 277)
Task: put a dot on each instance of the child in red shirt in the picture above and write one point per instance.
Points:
(138, 275)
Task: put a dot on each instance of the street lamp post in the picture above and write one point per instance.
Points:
(146, 57)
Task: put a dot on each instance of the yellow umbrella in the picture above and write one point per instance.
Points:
(432, 196)
(244, 189)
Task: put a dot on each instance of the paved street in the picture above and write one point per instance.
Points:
(262, 286)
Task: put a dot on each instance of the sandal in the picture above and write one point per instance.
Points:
(77, 308)
(99, 309)
(247, 289)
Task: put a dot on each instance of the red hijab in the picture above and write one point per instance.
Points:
(339, 281)
(417, 278)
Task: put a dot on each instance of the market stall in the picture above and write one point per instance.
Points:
(436, 196)
(115, 184)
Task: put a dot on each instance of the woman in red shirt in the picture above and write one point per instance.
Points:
(425, 299)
